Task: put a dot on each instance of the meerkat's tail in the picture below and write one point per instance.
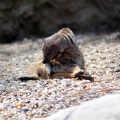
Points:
(24, 78)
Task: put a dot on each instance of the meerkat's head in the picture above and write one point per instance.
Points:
(48, 51)
(57, 43)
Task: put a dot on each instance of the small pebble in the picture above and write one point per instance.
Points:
(34, 89)
(1, 106)
(66, 82)
(23, 84)
(37, 85)
(25, 108)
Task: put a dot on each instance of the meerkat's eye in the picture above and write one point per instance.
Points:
(59, 55)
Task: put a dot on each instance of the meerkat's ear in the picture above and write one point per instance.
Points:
(43, 46)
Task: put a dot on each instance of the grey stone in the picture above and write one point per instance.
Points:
(25, 108)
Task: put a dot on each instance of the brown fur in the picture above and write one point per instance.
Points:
(62, 47)
(61, 58)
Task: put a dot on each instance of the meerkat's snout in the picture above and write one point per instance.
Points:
(46, 61)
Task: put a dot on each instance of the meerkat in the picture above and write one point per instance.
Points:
(62, 58)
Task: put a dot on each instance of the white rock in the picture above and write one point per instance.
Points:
(104, 108)
(1, 118)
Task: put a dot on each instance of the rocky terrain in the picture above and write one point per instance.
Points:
(23, 100)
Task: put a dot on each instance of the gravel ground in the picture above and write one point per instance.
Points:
(23, 100)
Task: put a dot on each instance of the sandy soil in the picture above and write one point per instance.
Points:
(23, 100)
